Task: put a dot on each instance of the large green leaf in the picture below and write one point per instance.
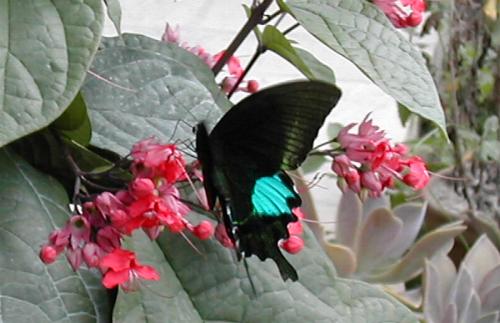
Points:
(213, 287)
(45, 49)
(304, 61)
(31, 205)
(142, 87)
(362, 33)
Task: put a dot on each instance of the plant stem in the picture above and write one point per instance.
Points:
(260, 50)
(269, 18)
(290, 29)
(254, 19)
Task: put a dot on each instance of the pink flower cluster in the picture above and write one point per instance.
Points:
(403, 13)
(151, 203)
(172, 35)
(369, 163)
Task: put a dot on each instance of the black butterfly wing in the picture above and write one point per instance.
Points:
(275, 128)
(265, 133)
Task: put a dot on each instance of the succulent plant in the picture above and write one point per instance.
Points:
(376, 244)
(471, 295)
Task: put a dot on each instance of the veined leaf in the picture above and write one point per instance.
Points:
(31, 206)
(46, 49)
(362, 33)
(142, 88)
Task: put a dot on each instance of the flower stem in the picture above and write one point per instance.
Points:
(290, 29)
(254, 19)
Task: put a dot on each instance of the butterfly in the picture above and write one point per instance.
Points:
(245, 157)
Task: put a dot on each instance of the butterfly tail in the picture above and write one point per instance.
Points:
(286, 269)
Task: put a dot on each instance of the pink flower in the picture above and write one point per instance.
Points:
(343, 167)
(171, 35)
(92, 254)
(152, 159)
(233, 64)
(252, 86)
(222, 237)
(368, 161)
(108, 238)
(75, 257)
(48, 254)
(418, 177)
(294, 244)
(154, 232)
(107, 203)
(295, 228)
(79, 228)
(402, 13)
(371, 181)
(142, 187)
(59, 239)
(122, 268)
(204, 230)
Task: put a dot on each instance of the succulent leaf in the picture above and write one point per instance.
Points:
(378, 235)
(437, 241)
(472, 294)
(412, 215)
(349, 218)
(343, 258)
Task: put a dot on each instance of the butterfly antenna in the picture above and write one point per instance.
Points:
(247, 270)
(316, 180)
(175, 130)
(99, 77)
(198, 196)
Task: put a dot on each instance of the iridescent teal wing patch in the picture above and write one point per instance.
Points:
(273, 196)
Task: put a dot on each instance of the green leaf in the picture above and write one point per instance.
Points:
(46, 152)
(333, 129)
(49, 47)
(319, 71)
(115, 14)
(362, 33)
(74, 123)
(313, 164)
(31, 206)
(192, 62)
(404, 114)
(213, 287)
(305, 62)
(147, 88)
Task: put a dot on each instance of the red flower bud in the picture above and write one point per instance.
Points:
(292, 245)
(48, 254)
(204, 230)
(252, 86)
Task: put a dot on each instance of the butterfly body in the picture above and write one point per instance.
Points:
(245, 157)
